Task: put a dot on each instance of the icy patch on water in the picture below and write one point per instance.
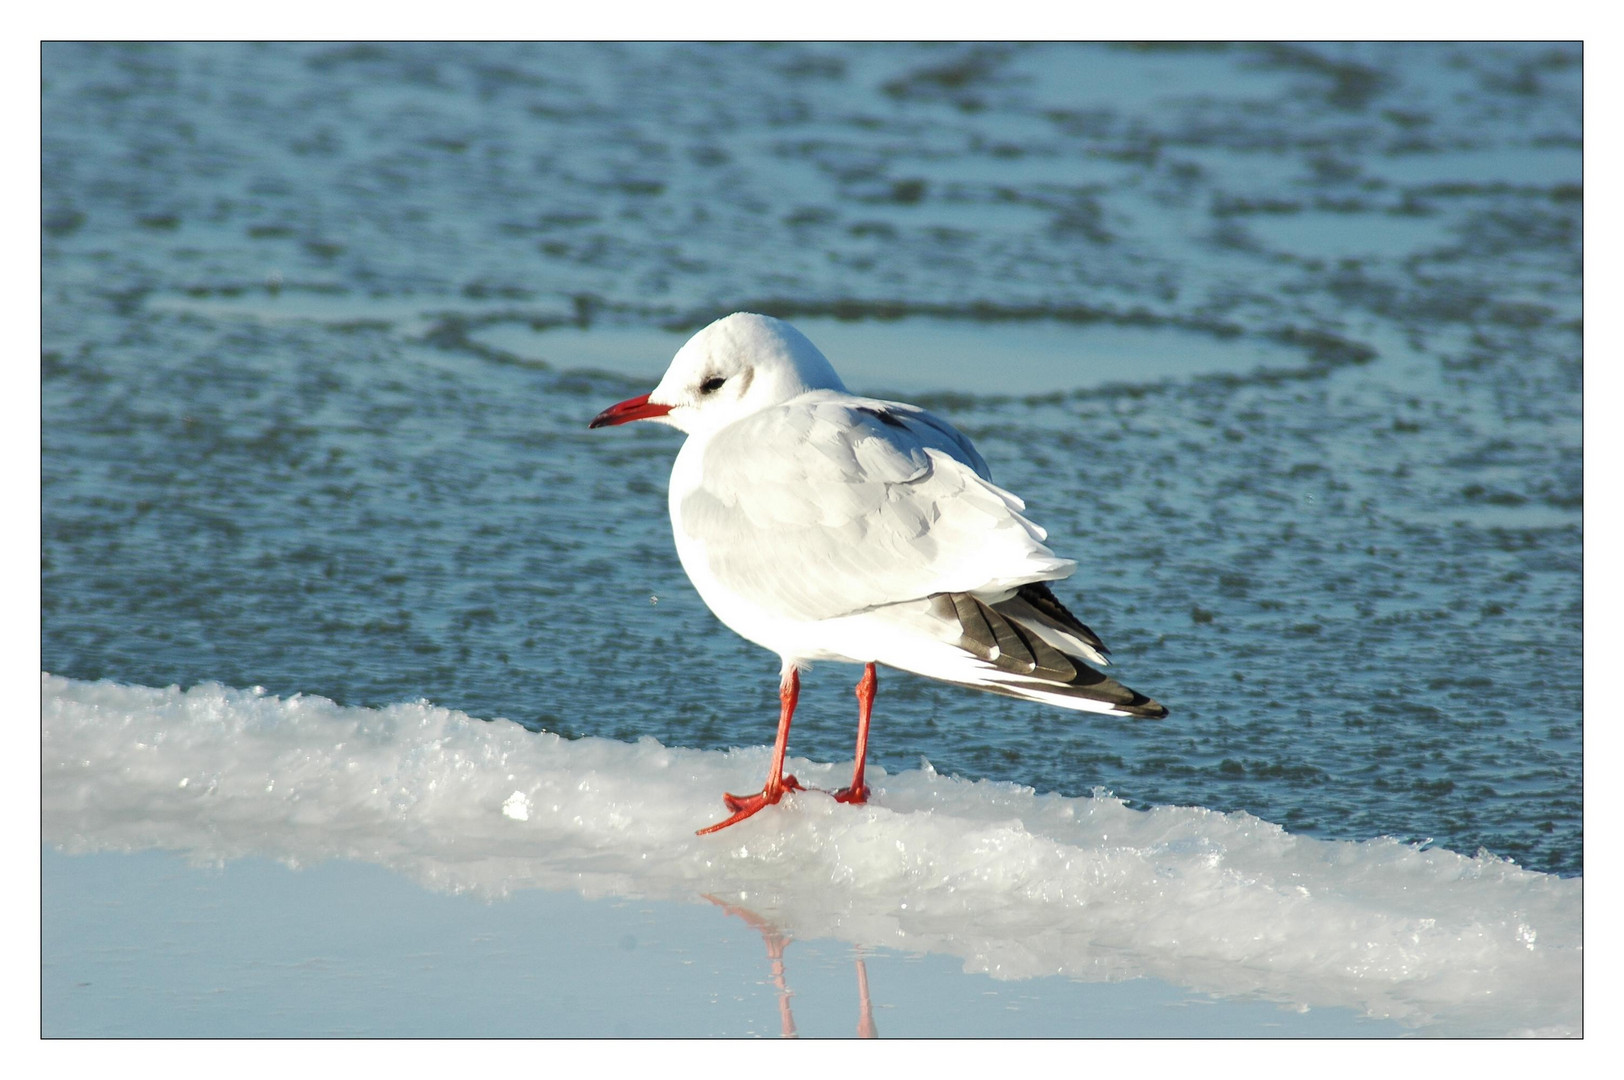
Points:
(1017, 884)
(925, 355)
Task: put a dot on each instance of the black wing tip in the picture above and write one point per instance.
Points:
(1122, 700)
(1143, 708)
(1137, 706)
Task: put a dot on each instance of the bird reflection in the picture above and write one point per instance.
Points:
(865, 1011)
(776, 941)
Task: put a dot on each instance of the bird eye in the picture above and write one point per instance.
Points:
(712, 384)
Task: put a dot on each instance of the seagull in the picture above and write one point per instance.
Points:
(822, 525)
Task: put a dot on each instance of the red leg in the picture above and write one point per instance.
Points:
(789, 691)
(858, 792)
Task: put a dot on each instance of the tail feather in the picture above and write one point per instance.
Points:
(1015, 638)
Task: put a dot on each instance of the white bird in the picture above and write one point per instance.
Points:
(826, 526)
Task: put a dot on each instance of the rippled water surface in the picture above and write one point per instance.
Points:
(1282, 343)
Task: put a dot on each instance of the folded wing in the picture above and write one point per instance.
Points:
(828, 506)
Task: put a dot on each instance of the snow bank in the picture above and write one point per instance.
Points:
(1016, 883)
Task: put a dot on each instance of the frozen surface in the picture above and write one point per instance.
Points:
(924, 356)
(148, 944)
(1005, 881)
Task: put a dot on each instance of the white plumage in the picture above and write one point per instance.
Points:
(826, 526)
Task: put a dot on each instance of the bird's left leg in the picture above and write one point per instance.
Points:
(858, 792)
(789, 692)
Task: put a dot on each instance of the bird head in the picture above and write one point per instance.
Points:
(732, 368)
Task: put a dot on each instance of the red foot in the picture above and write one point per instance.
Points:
(856, 796)
(744, 806)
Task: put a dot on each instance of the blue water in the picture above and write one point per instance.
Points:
(323, 326)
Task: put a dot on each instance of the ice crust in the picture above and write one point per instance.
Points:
(1018, 884)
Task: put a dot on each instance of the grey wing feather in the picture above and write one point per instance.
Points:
(1037, 608)
(1039, 671)
(826, 508)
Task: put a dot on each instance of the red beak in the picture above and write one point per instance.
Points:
(637, 408)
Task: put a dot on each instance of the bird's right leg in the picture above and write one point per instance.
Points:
(789, 691)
